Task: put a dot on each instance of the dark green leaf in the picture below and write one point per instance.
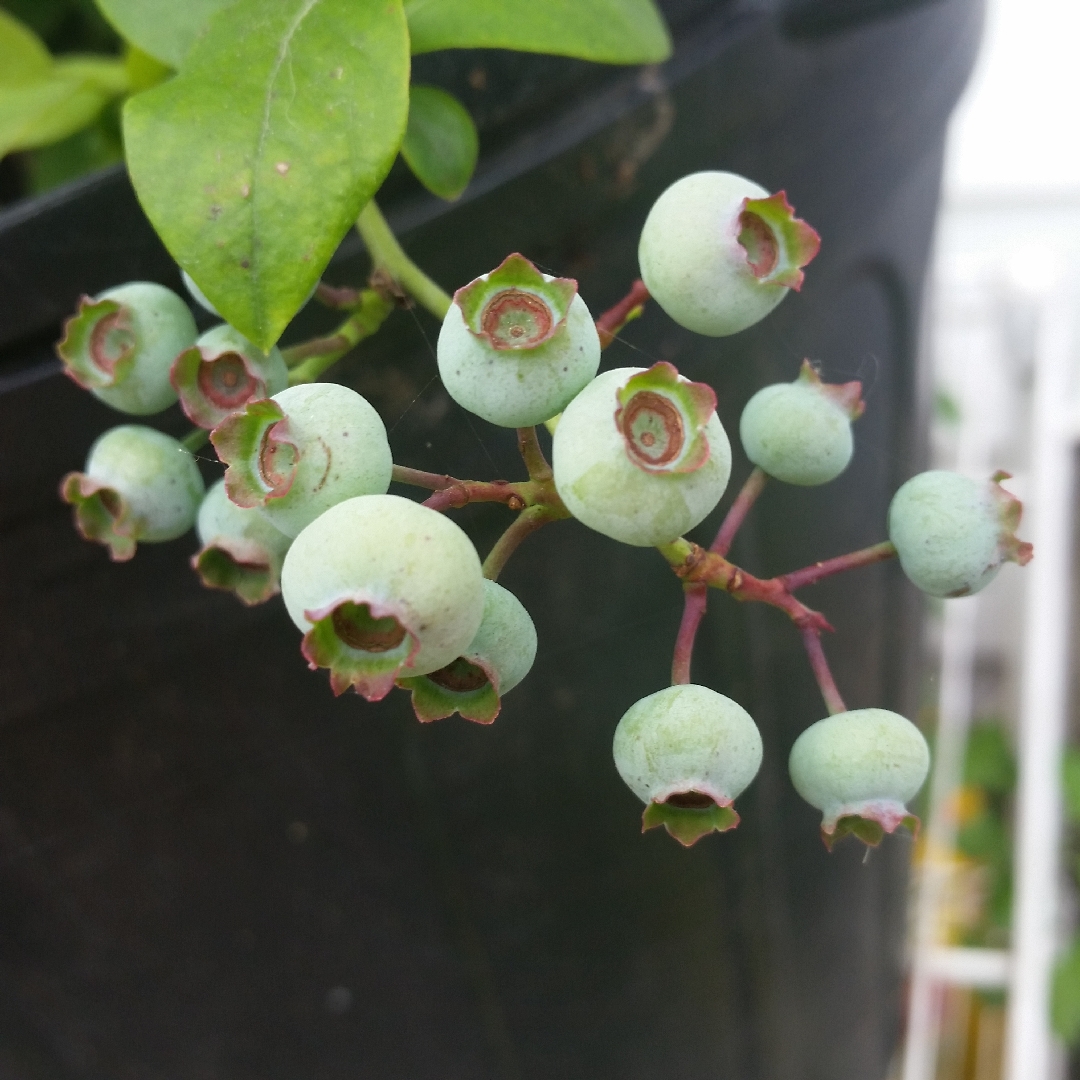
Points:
(166, 29)
(440, 144)
(609, 31)
(256, 159)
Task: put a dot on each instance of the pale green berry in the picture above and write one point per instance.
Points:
(860, 768)
(640, 455)
(495, 661)
(516, 345)
(687, 752)
(382, 588)
(222, 372)
(718, 253)
(800, 432)
(952, 534)
(198, 295)
(302, 451)
(121, 345)
(138, 485)
(241, 551)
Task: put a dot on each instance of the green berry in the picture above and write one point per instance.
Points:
(198, 295)
(382, 588)
(687, 752)
(139, 485)
(517, 345)
(952, 533)
(800, 432)
(860, 768)
(718, 253)
(640, 455)
(222, 372)
(241, 551)
(302, 451)
(496, 660)
(121, 345)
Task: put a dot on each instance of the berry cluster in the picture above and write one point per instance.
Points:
(387, 591)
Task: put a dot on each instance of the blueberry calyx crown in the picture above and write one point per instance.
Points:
(101, 514)
(869, 823)
(516, 306)
(238, 565)
(98, 347)
(662, 419)
(467, 685)
(1010, 509)
(848, 396)
(689, 815)
(255, 445)
(776, 242)
(214, 383)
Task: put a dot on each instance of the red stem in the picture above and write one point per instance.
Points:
(462, 492)
(533, 456)
(736, 515)
(528, 521)
(820, 666)
(418, 478)
(615, 318)
(695, 599)
(864, 557)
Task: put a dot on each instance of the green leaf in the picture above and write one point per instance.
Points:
(257, 158)
(23, 56)
(609, 31)
(48, 110)
(441, 143)
(1065, 995)
(988, 760)
(166, 30)
(1070, 779)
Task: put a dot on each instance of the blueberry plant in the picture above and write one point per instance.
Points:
(253, 190)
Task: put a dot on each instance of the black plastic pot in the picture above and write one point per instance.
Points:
(209, 867)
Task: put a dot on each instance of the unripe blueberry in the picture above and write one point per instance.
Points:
(687, 752)
(222, 372)
(382, 587)
(718, 252)
(516, 345)
(202, 300)
(640, 455)
(952, 533)
(800, 432)
(859, 768)
(302, 451)
(121, 345)
(139, 485)
(495, 661)
(241, 551)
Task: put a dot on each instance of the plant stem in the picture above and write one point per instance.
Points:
(462, 492)
(820, 666)
(528, 521)
(626, 310)
(417, 478)
(387, 254)
(533, 456)
(736, 515)
(310, 359)
(864, 557)
(195, 439)
(695, 597)
(338, 297)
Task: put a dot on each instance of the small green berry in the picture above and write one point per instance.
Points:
(496, 660)
(222, 372)
(516, 345)
(640, 455)
(718, 253)
(382, 588)
(302, 451)
(859, 768)
(241, 551)
(688, 752)
(800, 432)
(139, 485)
(121, 345)
(952, 534)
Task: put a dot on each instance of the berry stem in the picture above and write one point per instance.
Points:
(338, 297)
(387, 254)
(418, 478)
(459, 493)
(695, 598)
(736, 515)
(528, 521)
(808, 575)
(195, 440)
(310, 359)
(820, 666)
(630, 307)
(533, 456)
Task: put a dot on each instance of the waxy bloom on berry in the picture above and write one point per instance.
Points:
(516, 345)
(687, 752)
